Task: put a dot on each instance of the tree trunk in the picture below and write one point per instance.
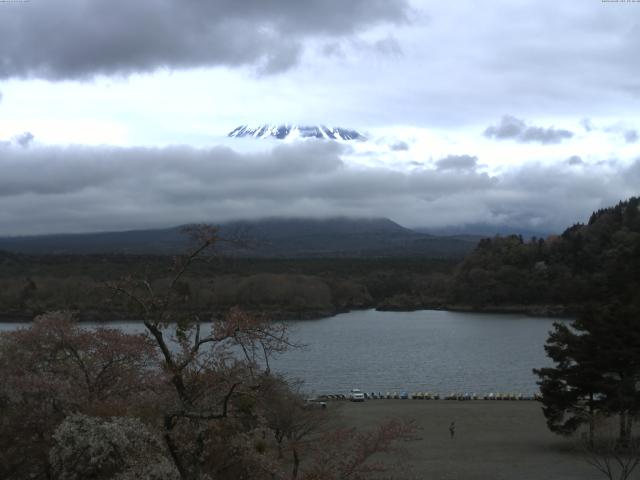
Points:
(624, 432)
(592, 421)
(280, 455)
(279, 436)
(296, 464)
(173, 450)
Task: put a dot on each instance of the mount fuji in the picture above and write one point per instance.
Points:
(292, 132)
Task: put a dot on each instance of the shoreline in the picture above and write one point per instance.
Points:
(537, 310)
(547, 311)
(436, 397)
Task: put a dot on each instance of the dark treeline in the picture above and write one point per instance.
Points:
(556, 275)
(285, 288)
(597, 356)
(589, 263)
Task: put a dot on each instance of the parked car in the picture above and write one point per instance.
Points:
(312, 403)
(356, 395)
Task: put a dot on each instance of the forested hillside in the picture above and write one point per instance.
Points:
(596, 262)
(283, 288)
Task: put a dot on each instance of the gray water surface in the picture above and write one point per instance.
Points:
(428, 350)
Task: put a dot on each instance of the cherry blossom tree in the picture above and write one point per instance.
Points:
(215, 367)
(107, 449)
(349, 454)
(53, 369)
(193, 398)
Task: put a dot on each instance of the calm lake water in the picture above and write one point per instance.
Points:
(427, 350)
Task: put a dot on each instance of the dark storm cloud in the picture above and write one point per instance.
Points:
(66, 39)
(515, 129)
(575, 160)
(286, 57)
(631, 136)
(333, 49)
(49, 189)
(457, 162)
(633, 172)
(61, 170)
(388, 46)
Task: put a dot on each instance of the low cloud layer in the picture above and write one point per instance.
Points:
(67, 39)
(76, 189)
(457, 163)
(512, 128)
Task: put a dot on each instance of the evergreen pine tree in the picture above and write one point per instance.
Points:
(597, 370)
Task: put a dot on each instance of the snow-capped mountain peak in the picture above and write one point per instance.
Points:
(292, 132)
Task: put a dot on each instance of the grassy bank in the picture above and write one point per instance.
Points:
(493, 440)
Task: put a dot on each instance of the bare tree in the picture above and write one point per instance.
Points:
(616, 460)
(295, 422)
(201, 358)
(349, 454)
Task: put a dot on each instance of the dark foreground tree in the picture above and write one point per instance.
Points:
(570, 389)
(596, 372)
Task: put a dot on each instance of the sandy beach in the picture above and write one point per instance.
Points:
(493, 439)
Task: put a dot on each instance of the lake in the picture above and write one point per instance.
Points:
(427, 350)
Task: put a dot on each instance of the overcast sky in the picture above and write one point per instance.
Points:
(113, 114)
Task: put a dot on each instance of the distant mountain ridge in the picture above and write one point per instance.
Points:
(291, 132)
(483, 230)
(274, 237)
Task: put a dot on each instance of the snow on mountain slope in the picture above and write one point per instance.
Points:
(292, 132)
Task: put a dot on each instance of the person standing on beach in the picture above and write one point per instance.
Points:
(452, 430)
